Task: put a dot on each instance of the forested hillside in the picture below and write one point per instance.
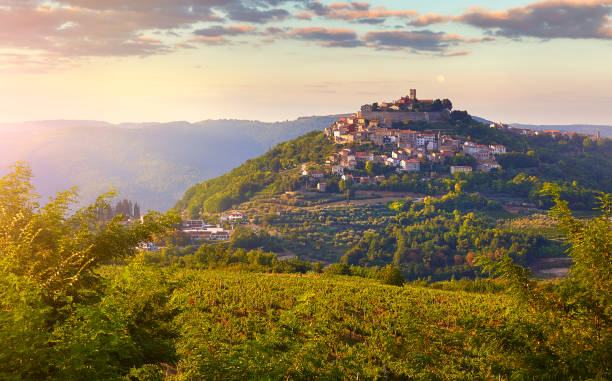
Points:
(428, 224)
(274, 172)
(581, 166)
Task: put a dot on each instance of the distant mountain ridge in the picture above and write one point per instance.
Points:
(605, 130)
(152, 163)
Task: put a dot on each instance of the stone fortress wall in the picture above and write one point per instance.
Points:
(400, 116)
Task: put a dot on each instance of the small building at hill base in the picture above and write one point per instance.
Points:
(460, 168)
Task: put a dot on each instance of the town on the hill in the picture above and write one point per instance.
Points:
(386, 126)
(378, 142)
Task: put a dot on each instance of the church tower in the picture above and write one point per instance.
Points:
(413, 94)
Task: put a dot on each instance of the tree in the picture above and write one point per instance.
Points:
(391, 275)
(51, 287)
(136, 213)
(369, 167)
(339, 269)
(447, 104)
(582, 299)
(437, 105)
(460, 117)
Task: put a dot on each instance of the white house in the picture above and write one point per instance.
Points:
(487, 166)
(497, 149)
(460, 168)
(232, 216)
(423, 140)
(411, 165)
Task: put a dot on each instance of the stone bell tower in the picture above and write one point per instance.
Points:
(413, 95)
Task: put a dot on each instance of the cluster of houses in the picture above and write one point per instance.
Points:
(432, 148)
(555, 134)
(376, 125)
(405, 150)
(198, 230)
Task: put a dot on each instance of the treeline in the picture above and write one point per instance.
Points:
(125, 208)
(529, 188)
(436, 105)
(228, 257)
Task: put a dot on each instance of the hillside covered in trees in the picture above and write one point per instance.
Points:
(79, 302)
(274, 172)
(429, 224)
(580, 166)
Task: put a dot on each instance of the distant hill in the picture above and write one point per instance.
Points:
(606, 131)
(152, 163)
(481, 120)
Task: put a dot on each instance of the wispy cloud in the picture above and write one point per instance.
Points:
(361, 12)
(326, 37)
(418, 41)
(548, 19)
(78, 28)
(218, 30)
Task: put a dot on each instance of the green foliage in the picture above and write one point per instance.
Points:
(578, 307)
(57, 250)
(517, 160)
(339, 269)
(56, 322)
(460, 117)
(137, 321)
(245, 238)
(391, 275)
(270, 173)
(436, 237)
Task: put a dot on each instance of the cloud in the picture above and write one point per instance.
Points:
(206, 40)
(34, 62)
(361, 12)
(216, 31)
(429, 19)
(303, 16)
(85, 28)
(456, 53)
(75, 29)
(326, 37)
(547, 19)
(420, 40)
(239, 12)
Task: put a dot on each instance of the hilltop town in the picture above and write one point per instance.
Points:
(408, 144)
(386, 127)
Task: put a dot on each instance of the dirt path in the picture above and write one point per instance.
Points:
(385, 196)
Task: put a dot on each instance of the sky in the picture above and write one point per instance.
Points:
(542, 62)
